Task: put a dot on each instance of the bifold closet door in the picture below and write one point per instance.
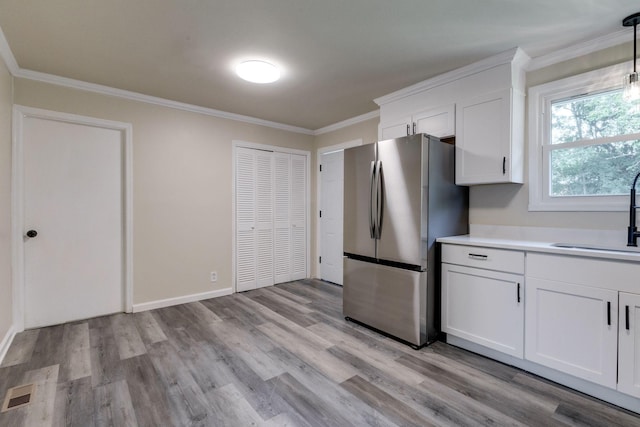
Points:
(282, 226)
(254, 219)
(290, 241)
(271, 218)
(298, 217)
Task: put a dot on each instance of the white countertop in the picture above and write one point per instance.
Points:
(546, 247)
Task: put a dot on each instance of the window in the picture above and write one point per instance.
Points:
(584, 143)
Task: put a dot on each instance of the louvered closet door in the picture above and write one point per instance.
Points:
(282, 225)
(264, 218)
(298, 217)
(245, 219)
(254, 219)
(271, 215)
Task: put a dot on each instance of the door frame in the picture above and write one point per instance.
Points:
(319, 153)
(235, 144)
(17, 200)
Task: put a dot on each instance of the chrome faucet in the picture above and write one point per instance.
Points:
(632, 230)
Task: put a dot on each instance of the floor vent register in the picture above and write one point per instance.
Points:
(17, 397)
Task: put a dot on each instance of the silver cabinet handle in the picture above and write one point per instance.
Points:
(479, 257)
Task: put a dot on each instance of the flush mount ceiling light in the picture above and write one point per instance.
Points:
(258, 71)
(631, 91)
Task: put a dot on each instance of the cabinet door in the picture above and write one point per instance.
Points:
(573, 329)
(483, 138)
(485, 307)
(394, 129)
(629, 345)
(438, 122)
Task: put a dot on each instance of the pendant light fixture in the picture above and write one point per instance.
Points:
(631, 91)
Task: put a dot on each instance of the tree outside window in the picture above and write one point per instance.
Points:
(593, 146)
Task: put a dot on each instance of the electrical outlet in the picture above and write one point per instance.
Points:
(214, 276)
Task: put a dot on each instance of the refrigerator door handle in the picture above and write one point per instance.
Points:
(379, 199)
(372, 221)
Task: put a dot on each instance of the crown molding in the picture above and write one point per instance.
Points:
(346, 123)
(134, 96)
(508, 56)
(515, 54)
(580, 49)
(7, 55)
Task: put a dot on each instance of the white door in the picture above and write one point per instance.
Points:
(282, 217)
(298, 217)
(271, 217)
(73, 199)
(254, 219)
(331, 187)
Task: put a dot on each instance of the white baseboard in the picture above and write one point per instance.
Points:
(151, 305)
(6, 342)
(601, 392)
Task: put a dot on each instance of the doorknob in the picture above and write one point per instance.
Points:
(32, 233)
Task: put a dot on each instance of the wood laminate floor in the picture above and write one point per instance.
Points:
(278, 356)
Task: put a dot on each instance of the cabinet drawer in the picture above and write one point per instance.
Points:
(600, 273)
(487, 258)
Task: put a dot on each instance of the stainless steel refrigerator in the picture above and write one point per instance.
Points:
(399, 196)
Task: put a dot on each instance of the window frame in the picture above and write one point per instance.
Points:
(540, 99)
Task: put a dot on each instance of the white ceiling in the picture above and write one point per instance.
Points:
(338, 55)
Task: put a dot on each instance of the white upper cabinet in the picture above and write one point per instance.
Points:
(481, 104)
(489, 138)
(438, 121)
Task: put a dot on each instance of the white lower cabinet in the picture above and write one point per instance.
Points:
(576, 319)
(573, 329)
(483, 305)
(629, 344)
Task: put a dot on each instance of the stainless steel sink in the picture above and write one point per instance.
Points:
(632, 249)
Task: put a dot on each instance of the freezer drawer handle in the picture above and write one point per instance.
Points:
(479, 257)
